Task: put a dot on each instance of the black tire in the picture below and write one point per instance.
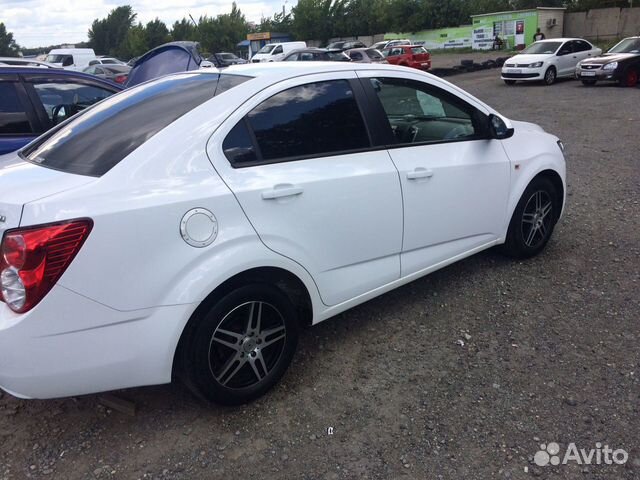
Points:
(550, 76)
(510, 82)
(589, 81)
(521, 241)
(223, 359)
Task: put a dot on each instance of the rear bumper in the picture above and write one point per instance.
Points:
(71, 345)
(424, 66)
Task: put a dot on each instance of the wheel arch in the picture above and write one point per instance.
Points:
(546, 172)
(289, 283)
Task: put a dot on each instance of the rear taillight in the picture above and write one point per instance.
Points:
(120, 78)
(33, 259)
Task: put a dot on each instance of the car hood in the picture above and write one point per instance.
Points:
(528, 59)
(610, 57)
(526, 126)
(22, 182)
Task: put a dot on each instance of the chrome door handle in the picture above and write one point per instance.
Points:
(420, 173)
(281, 191)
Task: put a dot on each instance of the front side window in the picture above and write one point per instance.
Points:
(277, 50)
(13, 118)
(99, 138)
(63, 100)
(316, 119)
(419, 113)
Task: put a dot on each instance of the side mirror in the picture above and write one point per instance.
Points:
(498, 129)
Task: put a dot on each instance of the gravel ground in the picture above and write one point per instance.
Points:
(459, 375)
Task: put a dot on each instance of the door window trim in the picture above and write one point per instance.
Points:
(360, 99)
(26, 103)
(383, 122)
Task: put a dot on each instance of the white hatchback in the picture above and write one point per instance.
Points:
(547, 60)
(190, 224)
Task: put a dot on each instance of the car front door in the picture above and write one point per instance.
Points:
(567, 59)
(298, 157)
(455, 180)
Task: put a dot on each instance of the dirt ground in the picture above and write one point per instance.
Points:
(459, 375)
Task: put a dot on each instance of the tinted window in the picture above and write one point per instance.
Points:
(292, 58)
(374, 54)
(277, 50)
(63, 100)
(310, 120)
(419, 113)
(238, 146)
(13, 119)
(355, 55)
(101, 137)
(581, 46)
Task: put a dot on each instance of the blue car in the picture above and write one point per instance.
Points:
(33, 100)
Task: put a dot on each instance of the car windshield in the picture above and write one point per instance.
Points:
(228, 56)
(628, 45)
(266, 49)
(57, 58)
(374, 54)
(379, 45)
(335, 45)
(96, 140)
(542, 48)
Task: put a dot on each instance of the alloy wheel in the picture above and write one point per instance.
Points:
(550, 76)
(537, 218)
(247, 344)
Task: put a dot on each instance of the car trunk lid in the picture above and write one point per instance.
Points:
(22, 182)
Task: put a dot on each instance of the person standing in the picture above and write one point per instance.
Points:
(538, 35)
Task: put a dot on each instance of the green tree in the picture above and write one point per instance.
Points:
(8, 46)
(136, 42)
(157, 33)
(183, 30)
(108, 35)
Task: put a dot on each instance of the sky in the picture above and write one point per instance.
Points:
(37, 23)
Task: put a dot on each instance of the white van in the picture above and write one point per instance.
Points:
(71, 58)
(274, 52)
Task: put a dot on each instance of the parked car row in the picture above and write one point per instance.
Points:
(548, 60)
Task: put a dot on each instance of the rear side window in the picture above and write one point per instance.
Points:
(98, 139)
(374, 54)
(13, 118)
(63, 100)
(312, 120)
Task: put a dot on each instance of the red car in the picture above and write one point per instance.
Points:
(413, 56)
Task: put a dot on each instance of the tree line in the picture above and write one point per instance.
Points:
(120, 35)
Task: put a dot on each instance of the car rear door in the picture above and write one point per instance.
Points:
(455, 180)
(18, 122)
(297, 156)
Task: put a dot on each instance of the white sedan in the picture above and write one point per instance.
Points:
(190, 224)
(548, 60)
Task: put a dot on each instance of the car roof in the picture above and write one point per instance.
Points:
(562, 39)
(55, 72)
(283, 70)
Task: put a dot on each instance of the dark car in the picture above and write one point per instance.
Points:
(414, 56)
(115, 73)
(316, 55)
(620, 64)
(346, 45)
(168, 58)
(32, 100)
(225, 59)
